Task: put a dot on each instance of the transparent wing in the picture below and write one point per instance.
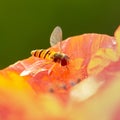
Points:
(56, 36)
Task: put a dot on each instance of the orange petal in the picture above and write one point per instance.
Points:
(94, 58)
(117, 36)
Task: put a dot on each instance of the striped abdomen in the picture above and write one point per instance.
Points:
(43, 53)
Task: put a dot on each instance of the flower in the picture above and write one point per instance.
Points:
(86, 89)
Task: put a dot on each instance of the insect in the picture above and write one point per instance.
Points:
(57, 57)
(48, 54)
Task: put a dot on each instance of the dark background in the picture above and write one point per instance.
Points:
(27, 24)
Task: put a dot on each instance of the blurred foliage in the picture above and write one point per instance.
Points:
(27, 24)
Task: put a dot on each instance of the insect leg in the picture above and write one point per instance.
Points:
(50, 70)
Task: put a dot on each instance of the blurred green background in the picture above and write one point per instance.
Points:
(27, 24)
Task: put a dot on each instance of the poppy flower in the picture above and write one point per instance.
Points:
(87, 88)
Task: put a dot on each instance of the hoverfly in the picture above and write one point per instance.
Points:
(50, 55)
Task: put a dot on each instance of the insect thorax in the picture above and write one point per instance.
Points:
(61, 58)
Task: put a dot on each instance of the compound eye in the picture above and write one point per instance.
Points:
(63, 62)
